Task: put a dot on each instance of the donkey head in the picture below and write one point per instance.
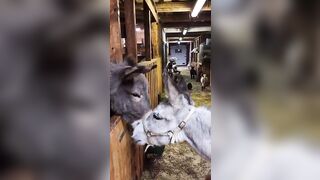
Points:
(165, 117)
(129, 91)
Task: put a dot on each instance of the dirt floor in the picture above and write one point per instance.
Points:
(180, 161)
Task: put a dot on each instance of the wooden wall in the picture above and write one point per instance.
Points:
(125, 160)
(154, 78)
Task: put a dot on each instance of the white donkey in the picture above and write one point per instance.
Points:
(176, 121)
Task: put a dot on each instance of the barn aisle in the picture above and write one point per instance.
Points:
(180, 161)
(148, 33)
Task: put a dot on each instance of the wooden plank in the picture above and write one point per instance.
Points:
(185, 17)
(159, 75)
(126, 158)
(167, 7)
(147, 32)
(153, 9)
(189, 34)
(115, 33)
(154, 78)
(130, 24)
(155, 40)
(157, 49)
(120, 152)
(185, 38)
(186, 24)
(138, 158)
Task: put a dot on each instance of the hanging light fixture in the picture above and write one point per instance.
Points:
(185, 30)
(197, 8)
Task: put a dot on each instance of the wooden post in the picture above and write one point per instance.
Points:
(190, 55)
(152, 7)
(156, 49)
(130, 23)
(115, 33)
(147, 31)
(155, 40)
(193, 54)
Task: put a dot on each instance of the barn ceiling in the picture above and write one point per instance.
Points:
(173, 11)
(175, 15)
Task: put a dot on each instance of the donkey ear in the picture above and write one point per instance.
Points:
(171, 89)
(177, 91)
(136, 70)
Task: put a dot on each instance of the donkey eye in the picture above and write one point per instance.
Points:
(136, 95)
(157, 116)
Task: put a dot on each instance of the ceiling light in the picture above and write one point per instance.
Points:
(197, 8)
(179, 42)
(184, 32)
(180, 38)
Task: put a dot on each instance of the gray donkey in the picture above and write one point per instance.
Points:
(176, 121)
(129, 90)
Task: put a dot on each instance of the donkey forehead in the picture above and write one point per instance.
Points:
(164, 108)
(138, 82)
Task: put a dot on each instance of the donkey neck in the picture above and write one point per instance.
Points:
(198, 132)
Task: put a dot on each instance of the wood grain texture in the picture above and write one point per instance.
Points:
(185, 17)
(189, 34)
(157, 53)
(186, 24)
(152, 9)
(147, 32)
(115, 33)
(155, 39)
(121, 157)
(167, 7)
(154, 78)
(130, 24)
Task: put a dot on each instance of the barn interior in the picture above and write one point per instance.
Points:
(151, 32)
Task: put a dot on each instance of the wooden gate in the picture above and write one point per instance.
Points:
(126, 158)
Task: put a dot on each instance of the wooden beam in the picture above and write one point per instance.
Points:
(152, 8)
(130, 24)
(167, 7)
(183, 39)
(189, 34)
(186, 24)
(147, 31)
(115, 37)
(184, 17)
